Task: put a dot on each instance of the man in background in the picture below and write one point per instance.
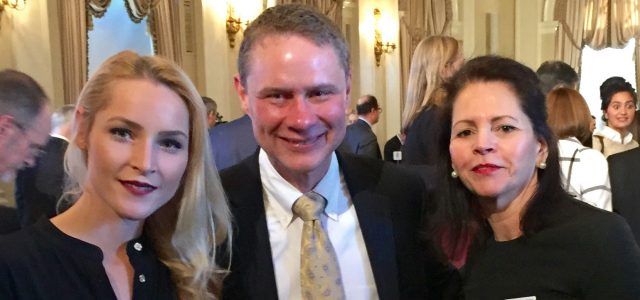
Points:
(212, 111)
(360, 138)
(232, 142)
(25, 122)
(554, 74)
(39, 187)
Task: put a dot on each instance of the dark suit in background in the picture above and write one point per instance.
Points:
(361, 140)
(388, 203)
(420, 146)
(392, 145)
(8, 220)
(38, 188)
(232, 142)
(624, 175)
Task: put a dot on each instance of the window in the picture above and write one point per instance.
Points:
(597, 66)
(115, 32)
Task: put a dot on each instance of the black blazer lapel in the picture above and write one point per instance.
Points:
(252, 275)
(375, 221)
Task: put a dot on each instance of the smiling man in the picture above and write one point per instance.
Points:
(298, 204)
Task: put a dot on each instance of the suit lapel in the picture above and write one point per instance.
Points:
(253, 249)
(376, 223)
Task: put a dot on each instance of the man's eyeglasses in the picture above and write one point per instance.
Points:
(34, 149)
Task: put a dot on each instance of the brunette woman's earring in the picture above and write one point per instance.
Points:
(542, 165)
(454, 174)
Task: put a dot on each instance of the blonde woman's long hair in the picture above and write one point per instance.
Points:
(431, 58)
(186, 231)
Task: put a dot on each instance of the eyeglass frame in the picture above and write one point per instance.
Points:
(34, 149)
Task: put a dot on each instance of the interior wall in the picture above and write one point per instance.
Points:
(32, 38)
(547, 30)
(527, 38)
(350, 28)
(381, 81)
(493, 26)
(218, 63)
(188, 20)
(30, 42)
(518, 29)
(6, 42)
(217, 59)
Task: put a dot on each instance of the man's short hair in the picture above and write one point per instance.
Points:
(20, 96)
(62, 115)
(555, 73)
(211, 104)
(368, 104)
(292, 19)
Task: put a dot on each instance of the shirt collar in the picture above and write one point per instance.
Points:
(613, 135)
(281, 194)
(365, 120)
(59, 136)
(572, 139)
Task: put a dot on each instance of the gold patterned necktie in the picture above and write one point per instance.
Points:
(319, 270)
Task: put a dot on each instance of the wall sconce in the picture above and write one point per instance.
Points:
(379, 46)
(15, 4)
(234, 24)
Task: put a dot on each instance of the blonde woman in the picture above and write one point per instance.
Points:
(435, 60)
(149, 209)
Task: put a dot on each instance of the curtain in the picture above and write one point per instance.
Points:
(570, 15)
(73, 29)
(636, 57)
(625, 25)
(139, 9)
(164, 24)
(598, 24)
(98, 8)
(419, 19)
(331, 8)
(76, 19)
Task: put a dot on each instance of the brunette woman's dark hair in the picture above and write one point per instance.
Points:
(457, 217)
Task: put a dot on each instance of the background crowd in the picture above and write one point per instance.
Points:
(497, 186)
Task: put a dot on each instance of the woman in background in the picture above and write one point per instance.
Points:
(149, 209)
(501, 190)
(585, 172)
(619, 102)
(435, 59)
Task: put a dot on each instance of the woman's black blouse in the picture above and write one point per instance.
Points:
(42, 262)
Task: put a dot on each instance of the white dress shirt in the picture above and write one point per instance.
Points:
(340, 220)
(365, 120)
(613, 141)
(589, 180)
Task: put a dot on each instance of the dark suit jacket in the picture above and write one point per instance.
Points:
(232, 142)
(8, 220)
(392, 145)
(420, 145)
(624, 175)
(388, 205)
(38, 188)
(361, 140)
